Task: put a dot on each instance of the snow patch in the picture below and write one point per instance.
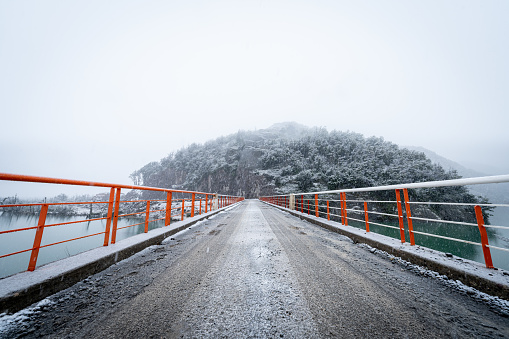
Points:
(172, 237)
(215, 215)
(19, 319)
(497, 304)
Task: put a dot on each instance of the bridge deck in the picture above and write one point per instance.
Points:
(258, 272)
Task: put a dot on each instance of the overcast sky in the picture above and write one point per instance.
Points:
(94, 90)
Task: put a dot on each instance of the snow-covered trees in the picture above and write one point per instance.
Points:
(289, 158)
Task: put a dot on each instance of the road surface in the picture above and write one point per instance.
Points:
(257, 272)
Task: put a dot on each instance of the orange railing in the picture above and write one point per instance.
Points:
(189, 204)
(361, 209)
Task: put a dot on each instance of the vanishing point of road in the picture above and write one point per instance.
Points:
(257, 272)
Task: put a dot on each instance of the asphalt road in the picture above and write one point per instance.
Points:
(257, 272)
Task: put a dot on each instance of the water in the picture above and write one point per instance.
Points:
(17, 241)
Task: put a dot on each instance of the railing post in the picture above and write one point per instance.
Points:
(342, 202)
(206, 202)
(316, 206)
(199, 212)
(147, 216)
(192, 204)
(400, 217)
(183, 208)
(484, 237)
(302, 204)
(328, 215)
(115, 216)
(344, 208)
(308, 207)
(38, 237)
(341, 207)
(108, 218)
(409, 217)
(168, 209)
(366, 217)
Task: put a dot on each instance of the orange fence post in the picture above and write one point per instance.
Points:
(366, 217)
(115, 217)
(342, 203)
(341, 208)
(168, 209)
(192, 204)
(108, 219)
(409, 217)
(328, 215)
(147, 216)
(199, 213)
(400, 217)
(344, 209)
(38, 237)
(308, 207)
(316, 206)
(484, 237)
(183, 208)
(302, 204)
(206, 202)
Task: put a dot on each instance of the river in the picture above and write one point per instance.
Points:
(17, 241)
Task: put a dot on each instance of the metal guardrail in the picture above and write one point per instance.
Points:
(320, 203)
(194, 203)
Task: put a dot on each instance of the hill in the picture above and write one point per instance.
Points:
(289, 158)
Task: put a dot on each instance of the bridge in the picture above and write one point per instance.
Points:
(276, 267)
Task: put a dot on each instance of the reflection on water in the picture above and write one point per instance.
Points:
(18, 241)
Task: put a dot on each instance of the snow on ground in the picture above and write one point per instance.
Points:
(469, 266)
(172, 237)
(19, 319)
(499, 305)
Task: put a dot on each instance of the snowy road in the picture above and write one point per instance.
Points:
(258, 272)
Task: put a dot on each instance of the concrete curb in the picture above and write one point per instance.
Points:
(25, 288)
(471, 273)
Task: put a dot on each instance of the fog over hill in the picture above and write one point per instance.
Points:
(495, 193)
(290, 158)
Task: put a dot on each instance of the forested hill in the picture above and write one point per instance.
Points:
(289, 157)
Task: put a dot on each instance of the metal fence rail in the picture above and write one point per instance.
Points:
(171, 208)
(325, 204)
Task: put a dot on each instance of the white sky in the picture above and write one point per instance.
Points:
(94, 90)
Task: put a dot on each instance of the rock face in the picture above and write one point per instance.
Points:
(290, 158)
